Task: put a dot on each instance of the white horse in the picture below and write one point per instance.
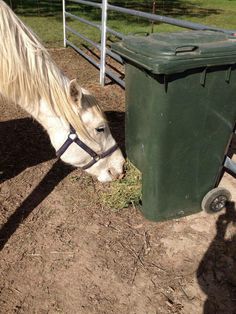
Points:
(71, 116)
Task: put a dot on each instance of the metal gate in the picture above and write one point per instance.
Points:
(104, 29)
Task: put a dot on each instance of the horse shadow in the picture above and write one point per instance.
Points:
(23, 144)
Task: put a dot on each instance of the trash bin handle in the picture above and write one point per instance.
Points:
(185, 48)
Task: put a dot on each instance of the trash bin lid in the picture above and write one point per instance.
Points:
(166, 53)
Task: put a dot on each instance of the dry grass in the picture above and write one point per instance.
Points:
(125, 192)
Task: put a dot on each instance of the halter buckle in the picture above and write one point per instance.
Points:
(97, 158)
(72, 136)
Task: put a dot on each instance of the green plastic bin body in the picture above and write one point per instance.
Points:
(181, 111)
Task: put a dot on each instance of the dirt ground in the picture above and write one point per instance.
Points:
(62, 252)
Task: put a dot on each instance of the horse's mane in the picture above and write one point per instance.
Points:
(27, 72)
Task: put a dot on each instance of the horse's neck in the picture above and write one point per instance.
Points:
(56, 128)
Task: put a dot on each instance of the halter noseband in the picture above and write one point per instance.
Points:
(73, 138)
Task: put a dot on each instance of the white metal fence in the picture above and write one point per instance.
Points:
(104, 29)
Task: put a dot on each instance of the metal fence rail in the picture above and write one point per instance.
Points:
(102, 47)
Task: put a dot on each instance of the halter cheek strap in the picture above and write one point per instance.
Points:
(73, 138)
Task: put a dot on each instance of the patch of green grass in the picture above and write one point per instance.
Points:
(45, 17)
(122, 193)
(49, 30)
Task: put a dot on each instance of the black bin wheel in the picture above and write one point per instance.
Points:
(215, 200)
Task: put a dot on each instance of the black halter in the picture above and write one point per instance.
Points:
(73, 137)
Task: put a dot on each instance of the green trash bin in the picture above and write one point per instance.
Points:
(180, 114)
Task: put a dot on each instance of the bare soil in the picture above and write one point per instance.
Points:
(62, 252)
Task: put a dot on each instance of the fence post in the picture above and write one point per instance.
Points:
(64, 21)
(103, 42)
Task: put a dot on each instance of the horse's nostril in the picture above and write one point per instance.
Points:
(121, 176)
(111, 171)
(115, 174)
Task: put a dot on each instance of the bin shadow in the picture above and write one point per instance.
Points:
(116, 120)
(216, 273)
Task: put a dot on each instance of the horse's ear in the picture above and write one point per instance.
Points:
(75, 91)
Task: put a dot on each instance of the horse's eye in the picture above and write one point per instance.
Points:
(100, 129)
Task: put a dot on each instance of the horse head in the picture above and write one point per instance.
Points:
(93, 148)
